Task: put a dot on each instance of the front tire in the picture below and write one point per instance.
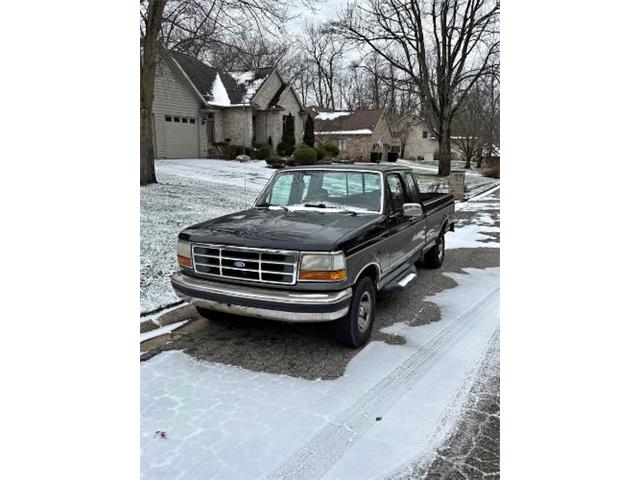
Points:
(354, 329)
(434, 258)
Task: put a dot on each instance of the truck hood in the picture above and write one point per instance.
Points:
(281, 229)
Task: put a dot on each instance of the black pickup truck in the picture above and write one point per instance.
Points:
(318, 244)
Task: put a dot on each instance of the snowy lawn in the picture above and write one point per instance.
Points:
(187, 192)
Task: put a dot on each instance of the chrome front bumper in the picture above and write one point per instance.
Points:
(285, 305)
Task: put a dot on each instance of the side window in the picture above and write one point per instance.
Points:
(412, 189)
(397, 193)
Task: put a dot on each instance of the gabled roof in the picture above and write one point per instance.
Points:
(357, 122)
(240, 86)
(276, 98)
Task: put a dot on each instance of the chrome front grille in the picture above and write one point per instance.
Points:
(240, 263)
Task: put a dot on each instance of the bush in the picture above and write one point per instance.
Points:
(331, 149)
(264, 152)
(490, 167)
(230, 152)
(274, 161)
(305, 156)
(285, 149)
(309, 137)
(321, 152)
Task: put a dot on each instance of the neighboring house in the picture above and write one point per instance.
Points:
(196, 106)
(415, 138)
(356, 133)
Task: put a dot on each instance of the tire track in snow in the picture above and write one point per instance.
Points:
(324, 449)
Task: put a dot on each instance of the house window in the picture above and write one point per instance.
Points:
(342, 144)
(176, 119)
(425, 134)
(192, 120)
(185, 120)
(395, 148)
(167, 118)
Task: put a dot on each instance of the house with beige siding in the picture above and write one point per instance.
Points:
(197, 106)
(414, 137)
(417, 141)
(356, 133)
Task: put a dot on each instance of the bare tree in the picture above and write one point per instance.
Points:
(468, 126)
(324, 54)
(148, 57)
(476, 126)
(248, 52)
(443, 46)
(491, 117)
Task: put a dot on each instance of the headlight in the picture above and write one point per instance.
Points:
(323, 267)
(184, 254)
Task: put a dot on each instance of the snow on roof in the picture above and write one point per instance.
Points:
(331, 115)
(362, 131)
(218, 94)
(249, 82)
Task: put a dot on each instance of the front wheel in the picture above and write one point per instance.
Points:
(354, 329)
(435, 256)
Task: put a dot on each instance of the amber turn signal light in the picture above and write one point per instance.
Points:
(334, 275)
(184, 262)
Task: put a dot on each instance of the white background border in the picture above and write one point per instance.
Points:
(570, 289)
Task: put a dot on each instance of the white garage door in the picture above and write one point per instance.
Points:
(181, 137)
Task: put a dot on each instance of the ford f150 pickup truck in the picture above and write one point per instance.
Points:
(317, 246)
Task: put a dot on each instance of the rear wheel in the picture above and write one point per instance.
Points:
(354, 329)
(435, 256)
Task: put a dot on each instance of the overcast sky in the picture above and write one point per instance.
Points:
(325, 9)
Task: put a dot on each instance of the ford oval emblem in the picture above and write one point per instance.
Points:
(239, 264)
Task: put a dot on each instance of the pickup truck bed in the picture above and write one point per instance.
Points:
(432, 200)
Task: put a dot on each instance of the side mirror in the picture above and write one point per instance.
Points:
(412, 209)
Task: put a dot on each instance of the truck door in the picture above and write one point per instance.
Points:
(419, 223)
(401, 241)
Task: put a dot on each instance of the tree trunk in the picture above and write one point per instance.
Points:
(147, 166)
(148, 64)
(468, 164)
(444, 146)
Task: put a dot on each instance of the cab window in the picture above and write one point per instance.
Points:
(397, 195)
(412, 188)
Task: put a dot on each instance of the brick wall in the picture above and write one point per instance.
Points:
(238, 125)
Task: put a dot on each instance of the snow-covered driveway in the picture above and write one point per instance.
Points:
(391, 406)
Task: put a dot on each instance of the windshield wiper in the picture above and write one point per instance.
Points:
(322, 205)
(267, 205)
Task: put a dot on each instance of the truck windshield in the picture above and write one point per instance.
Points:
(345, 190)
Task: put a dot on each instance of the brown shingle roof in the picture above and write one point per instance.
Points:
(356, 120)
